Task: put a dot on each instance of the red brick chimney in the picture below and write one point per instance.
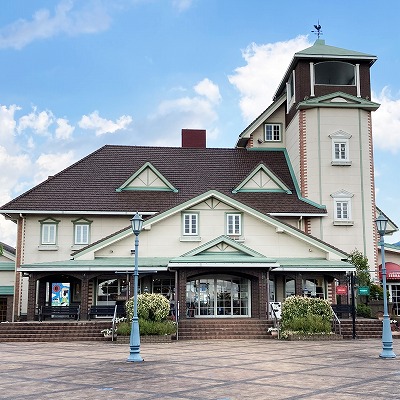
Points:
(195, 138)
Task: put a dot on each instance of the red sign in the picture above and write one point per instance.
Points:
(341, 289)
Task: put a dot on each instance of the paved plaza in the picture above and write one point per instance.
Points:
(217, 370)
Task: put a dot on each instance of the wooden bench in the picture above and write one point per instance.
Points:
(72, 311)
(107, 311)
(341, 309)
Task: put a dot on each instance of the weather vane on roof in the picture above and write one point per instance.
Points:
(318, 30)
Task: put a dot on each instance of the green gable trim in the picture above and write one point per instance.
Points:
(7, 266)
(325, 101)
(282, 187)
(166, 187)
(229, 242)
(7, 290)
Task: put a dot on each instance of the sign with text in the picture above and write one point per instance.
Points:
(341, 289)
(363, 291)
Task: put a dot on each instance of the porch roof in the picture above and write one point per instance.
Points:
(314, 264)
(106, 264)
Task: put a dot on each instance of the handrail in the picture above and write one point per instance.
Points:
(336, 320)
(276, 322)
(113, 329)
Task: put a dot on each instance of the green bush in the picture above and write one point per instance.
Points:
(309, 324)
(148, 328)
(124, 328)
(151, 307)
(306, 315)
(375, 292)
(363, 311)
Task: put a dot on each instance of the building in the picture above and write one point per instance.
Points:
(7, 276)
(226, 231)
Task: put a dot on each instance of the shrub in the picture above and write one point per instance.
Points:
(151, 306)
(375, 292)
(148, 328)
(363, 311)
(306, 315)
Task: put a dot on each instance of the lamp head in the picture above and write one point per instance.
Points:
(381, 224)
(137, 223)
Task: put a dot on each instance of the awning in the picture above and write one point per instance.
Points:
(392, 271)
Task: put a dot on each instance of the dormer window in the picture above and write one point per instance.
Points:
(335, 73)
(273, 132)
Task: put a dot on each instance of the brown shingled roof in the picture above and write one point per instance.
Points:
(91, 183)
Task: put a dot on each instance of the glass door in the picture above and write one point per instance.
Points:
(395, 297)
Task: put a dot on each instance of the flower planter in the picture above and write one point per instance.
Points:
(145, 339)
(315, 337)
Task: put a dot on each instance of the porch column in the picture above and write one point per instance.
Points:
(182, 278)
(84, 296)
(263, 289)
(298, 284)
(30, 315)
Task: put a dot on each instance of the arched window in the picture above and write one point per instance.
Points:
(334, 73)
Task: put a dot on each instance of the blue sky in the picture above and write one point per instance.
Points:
(75, 75)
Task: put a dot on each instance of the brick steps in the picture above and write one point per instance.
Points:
(53, 331)
(365, 329)
(203, 329)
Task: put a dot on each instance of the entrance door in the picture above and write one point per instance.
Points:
(3, 309)
(395, 296)
(222, 296)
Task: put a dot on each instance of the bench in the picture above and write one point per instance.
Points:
(72, 311)
(107, 311)
(341, 309)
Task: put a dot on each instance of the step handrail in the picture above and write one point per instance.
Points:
(336, 321)
(114, 324)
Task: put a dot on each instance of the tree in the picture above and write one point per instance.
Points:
(362, 268)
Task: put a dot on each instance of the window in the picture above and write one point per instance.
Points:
(334, 73)
(81, 234)
(340, 148)
(81, 231)
(273, 132)
(234, 224)
(342, 208)
(190, 224)
(48, 232)
(290, 89)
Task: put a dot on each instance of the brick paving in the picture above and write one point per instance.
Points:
(206, 370)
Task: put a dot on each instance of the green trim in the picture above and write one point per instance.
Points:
(7, 266)
(226, 240)
(7, 290)
(282, 187)
(296, 184)
(323, 101)
(168, 186)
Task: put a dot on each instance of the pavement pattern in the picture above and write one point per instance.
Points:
(206, 370)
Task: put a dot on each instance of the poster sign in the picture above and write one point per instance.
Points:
(363, 290)
(60, 294)
(341, 289)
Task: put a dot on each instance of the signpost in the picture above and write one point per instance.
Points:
(363, 290)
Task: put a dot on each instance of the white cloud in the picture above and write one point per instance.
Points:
(386, 121)
(50, 164)
(208, 89)
(182, 5)
(91, 18)
(101, 125)
(38, 122)
(7, 123)
(259, 78)
(64, 130)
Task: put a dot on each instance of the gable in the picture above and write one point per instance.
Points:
(338, 99)
(147, 178)
(261, 179)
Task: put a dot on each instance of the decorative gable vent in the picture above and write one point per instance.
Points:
(261, 179)
(147, 178)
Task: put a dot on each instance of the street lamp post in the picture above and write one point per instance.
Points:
(134, 342)
(387, 339)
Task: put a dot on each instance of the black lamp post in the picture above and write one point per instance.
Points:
(134, 342)
(387, 339)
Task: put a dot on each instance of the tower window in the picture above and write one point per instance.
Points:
(273, 132)
(334, 73)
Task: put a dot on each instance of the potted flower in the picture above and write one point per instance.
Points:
(394, 325)
(106, 332)
(273, 331)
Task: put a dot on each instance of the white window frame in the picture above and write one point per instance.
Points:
(193, 224)
(48, 234)
(81, 233)
(234, 224)
(341, 139)
(273, 126)
(342, 209)
(290, 91)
